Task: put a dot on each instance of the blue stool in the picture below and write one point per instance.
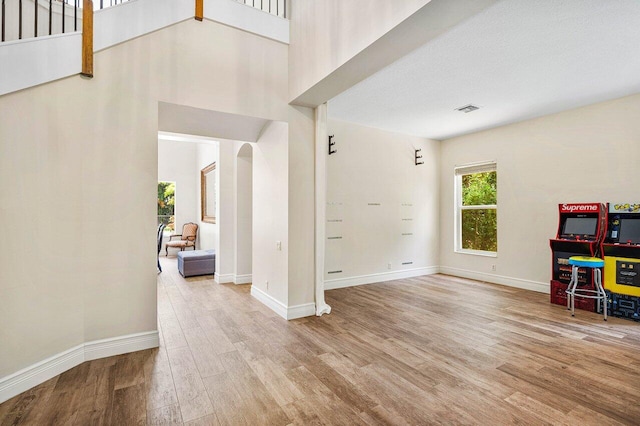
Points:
(572, 291)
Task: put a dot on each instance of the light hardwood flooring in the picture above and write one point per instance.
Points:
(427, 350)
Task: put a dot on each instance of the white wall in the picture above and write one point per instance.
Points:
(270, 221)
(301, 206)
(176, 163)
(244, 212)
(89, 178)
(383, 206)
(225, 211)
(27, 63)
(587, 154)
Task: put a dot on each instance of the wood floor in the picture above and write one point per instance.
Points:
(428, 350)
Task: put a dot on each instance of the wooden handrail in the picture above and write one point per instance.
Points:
(199, 10)
(87, 38)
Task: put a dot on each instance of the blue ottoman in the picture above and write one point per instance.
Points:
(196, 262)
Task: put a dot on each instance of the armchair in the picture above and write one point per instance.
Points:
(187, 238)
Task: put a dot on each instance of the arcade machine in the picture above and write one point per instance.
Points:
(621, 251)
(581, 228)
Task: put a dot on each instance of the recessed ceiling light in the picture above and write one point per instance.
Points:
(468, 108)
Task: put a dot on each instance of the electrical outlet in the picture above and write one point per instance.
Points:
(389, 265)
(267, 284)
(493, 268)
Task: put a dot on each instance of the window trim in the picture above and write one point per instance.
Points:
(459, 171)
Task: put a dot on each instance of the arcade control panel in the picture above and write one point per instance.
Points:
(627, 273)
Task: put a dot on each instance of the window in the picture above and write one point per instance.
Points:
(476, 209)
(166, 205)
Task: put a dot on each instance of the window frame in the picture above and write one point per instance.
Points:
(459, 171)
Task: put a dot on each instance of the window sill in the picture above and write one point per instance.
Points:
(477, 252)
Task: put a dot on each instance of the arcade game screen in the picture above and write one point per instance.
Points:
(629, 231)
(580, 226)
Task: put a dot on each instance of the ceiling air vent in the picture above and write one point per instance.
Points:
(467, 108)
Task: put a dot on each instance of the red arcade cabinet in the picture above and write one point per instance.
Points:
(581, 228)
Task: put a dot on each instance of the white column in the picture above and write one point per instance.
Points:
(321, 205)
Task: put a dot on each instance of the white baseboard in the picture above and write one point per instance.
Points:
(301, 311)
(121, 345)
(40, 372)
(275, 305)
(242, 279)
(377, 278)
(288, 313)
(540, 287)
(44, 370)
(223, 278)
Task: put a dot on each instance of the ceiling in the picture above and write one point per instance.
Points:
(516, 60)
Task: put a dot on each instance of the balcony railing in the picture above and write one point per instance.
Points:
(274, 7)
(20, 19)
(107, 3)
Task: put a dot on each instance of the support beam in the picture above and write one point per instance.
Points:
(199, 10)
(321, 205)
(431, 21)
(87, 38)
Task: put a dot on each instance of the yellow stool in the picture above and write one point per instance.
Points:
(596, 264)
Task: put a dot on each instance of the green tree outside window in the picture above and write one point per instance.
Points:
(479, 225)
(166, 204)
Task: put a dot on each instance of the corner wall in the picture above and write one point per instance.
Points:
(302, 210)
(271, 217)
(382, 209)
(82, 159)
(587, 154)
